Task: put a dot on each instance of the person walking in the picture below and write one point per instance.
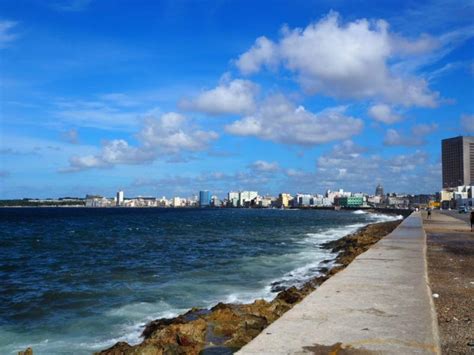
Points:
(472, 219)
(429, 213)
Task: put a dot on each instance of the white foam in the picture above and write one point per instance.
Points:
(359, 212)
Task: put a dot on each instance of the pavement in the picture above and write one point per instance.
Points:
(451, 273)
(380, 304)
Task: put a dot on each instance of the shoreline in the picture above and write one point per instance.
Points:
(227, 327)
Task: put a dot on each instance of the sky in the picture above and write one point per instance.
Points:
(166, 98)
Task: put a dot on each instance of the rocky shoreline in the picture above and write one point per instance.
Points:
(225, 328)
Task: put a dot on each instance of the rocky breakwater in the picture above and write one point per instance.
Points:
(225, 328)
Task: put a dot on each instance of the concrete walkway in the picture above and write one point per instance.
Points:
(381, 303)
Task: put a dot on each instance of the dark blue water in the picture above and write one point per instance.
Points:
(78, 280)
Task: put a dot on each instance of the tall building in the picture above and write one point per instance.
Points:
(379, 190)
(204, 198)
(119, 200)
(458, 161)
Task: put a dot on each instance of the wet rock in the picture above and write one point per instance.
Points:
(290, 295)
(121, 348)
(28, 351)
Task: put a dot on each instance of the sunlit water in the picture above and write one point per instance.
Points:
(76, 280)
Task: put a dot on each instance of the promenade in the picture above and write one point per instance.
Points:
(381, 303)
(451, 273)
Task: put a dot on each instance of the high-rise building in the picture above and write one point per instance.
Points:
(458, 161)
(379, 190)
(204, 198)
(119, 200)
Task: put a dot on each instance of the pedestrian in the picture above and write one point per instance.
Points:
(429, 213)
(472, 219)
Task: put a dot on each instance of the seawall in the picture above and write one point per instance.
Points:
(381, 302)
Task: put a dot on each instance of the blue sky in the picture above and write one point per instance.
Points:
(169, 97)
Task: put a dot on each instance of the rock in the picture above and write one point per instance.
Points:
(28, 351)
(120, 348)
(291, 295)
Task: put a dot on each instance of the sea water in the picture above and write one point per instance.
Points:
(77, 280)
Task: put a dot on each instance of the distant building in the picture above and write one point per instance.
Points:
(458, 161)
(177, 202)
(351, 201)
(284, 200)
(204, 198)
(379, 190)
(98, 201)
(119, 200)
(233, 199)
(246, 198)
(303, 200)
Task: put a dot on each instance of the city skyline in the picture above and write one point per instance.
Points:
(173, 97)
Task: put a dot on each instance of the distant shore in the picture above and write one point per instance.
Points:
(228, 327)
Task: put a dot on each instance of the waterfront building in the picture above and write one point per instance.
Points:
(233, 199)
(204, 198)
(265, 202)
(331, 195)
(284, 200)
(119, 199)
(457, 161)
(246, 198)
(176, 202)
(98, 201)
(303, 200)
(379, 190)
(349, 201)
(398, 201)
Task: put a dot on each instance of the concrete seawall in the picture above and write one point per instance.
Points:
(381, 303)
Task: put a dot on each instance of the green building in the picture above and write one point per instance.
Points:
(350, 201)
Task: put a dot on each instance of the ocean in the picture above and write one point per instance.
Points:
(77, 280)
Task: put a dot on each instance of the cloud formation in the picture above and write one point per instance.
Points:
(264, 166)
(417, 136)
(345, 60)
(384, 113)
(348, 166)
(170, 136)
(277, 119)
(229, 97)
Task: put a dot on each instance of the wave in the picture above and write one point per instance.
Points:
(359, 212)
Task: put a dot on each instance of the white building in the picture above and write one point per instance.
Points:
(233, 199)
(246, 197)
(119, 199)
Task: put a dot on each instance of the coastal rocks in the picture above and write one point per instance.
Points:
(351, 246)
(231, 326)
(28, 351)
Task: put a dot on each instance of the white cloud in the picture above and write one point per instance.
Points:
(229, 97)
(346, 60)
(279, 120)
(6, 35)
(341, 168)
(467, 123)
(264, 166)
(117, 151)
(262, 53)
(384, 113)
(170, 136)
(417, 137)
